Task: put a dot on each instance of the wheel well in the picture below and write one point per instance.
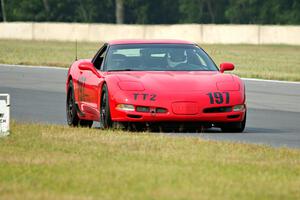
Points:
(69, 78)
(101, 92)
(67, 86)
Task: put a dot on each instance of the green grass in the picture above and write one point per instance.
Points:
(280, 62)
(57, 162)
(60, 54)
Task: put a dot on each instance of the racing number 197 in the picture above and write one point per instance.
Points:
(218, 97)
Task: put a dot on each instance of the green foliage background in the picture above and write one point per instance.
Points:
(157, 11)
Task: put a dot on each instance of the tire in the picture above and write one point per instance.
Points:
(236, 127)
(72, 116)
(105, 117)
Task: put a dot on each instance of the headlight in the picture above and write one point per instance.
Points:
(125, 107)
(238, 107)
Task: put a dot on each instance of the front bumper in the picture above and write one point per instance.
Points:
(134, 116)
(199, 110)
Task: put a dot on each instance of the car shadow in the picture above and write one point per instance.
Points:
(214, 130)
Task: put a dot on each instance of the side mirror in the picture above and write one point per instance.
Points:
(90, 67)
(226, 67)
(86, 66)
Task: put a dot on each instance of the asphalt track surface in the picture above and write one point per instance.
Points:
(38, 95)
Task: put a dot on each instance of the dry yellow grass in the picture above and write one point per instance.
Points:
(57, 162)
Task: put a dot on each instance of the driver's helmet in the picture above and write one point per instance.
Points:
(176, 57)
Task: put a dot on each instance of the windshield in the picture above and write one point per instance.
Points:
(158, 57)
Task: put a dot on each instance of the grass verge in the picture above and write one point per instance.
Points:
(57, 162)
(279, 62)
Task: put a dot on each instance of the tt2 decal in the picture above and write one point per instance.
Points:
(144, 96)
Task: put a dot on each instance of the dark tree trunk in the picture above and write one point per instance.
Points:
(83, 12)
(211, 12)
(119, 11)
(3, 11)
(46, 5)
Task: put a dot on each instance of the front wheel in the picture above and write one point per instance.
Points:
(72, 117)
(105, 118)
(234, 127)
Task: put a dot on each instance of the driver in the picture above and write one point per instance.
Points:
(176, 57)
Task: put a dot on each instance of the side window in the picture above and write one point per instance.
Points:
(102, 56)
(98, 59)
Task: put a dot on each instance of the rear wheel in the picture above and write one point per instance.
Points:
(234, 127)
(105, 118)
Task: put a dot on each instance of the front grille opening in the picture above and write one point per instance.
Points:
(217, 109)
(232, 116)
(161, 110)
(134, 116)
(144, 109)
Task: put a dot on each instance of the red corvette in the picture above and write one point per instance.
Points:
(157, 84)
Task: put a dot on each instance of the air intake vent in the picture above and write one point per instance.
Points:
(217, 110)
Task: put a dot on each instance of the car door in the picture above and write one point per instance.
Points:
(91, 81)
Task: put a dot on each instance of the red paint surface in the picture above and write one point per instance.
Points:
(183, 93)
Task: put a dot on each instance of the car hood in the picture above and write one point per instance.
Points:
(175, 81)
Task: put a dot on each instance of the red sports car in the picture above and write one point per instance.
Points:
(157, 84)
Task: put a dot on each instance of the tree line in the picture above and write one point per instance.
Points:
(153, 11)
